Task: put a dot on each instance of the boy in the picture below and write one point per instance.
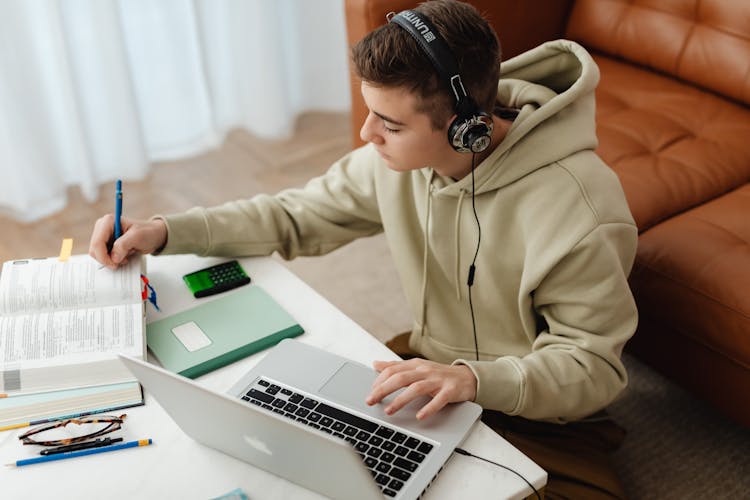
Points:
(538, 331)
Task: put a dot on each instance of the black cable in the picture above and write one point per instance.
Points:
(472, 267)
(466, 453)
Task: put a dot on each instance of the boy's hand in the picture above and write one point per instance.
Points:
(444, 383)
(137, 237)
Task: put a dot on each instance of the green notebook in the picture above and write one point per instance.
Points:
(225, 330)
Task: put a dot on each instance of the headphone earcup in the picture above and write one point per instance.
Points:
(472, 134)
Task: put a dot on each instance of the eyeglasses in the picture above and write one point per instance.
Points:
(97, 426)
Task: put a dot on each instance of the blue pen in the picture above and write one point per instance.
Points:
(82, 453)
(118, 208)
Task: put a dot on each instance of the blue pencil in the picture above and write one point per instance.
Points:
(73, 454)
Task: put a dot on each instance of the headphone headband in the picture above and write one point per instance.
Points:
(423, 31)
(472, 130)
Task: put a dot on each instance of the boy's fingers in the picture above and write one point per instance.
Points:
(99, 238)
(381, 365)
(391, 385)
(435, 405)
(122, 248)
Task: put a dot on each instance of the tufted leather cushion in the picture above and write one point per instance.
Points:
(690, 272)
(683, 157)
(673, 146)
(706, 42)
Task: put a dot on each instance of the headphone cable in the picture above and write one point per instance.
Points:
(461, 451)
(470, 282)
(472, 267)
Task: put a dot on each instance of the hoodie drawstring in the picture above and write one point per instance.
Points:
(428, 209)
(457, 234)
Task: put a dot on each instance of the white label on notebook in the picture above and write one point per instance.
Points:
(191, 336)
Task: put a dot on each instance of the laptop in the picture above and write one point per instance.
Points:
(300, 414)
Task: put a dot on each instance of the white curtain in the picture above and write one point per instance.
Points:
(94, 90)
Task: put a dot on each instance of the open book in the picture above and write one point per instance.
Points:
(62, 325)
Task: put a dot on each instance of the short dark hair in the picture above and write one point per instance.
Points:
(390, 57)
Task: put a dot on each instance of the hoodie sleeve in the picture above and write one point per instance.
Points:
(327, 213)
(574, 368)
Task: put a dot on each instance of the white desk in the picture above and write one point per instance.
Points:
(175, 466)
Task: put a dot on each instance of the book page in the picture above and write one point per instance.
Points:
(35, 285)
(70, 336)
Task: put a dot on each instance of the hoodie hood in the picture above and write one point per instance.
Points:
(552, 86)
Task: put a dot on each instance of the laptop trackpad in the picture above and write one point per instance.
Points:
(350, 384)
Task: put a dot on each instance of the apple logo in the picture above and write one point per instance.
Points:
(257, 444)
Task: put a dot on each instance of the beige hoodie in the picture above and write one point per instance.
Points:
(551, 299)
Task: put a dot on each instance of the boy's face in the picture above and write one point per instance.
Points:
(405, 138)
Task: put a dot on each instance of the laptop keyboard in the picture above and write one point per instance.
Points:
(390, 456)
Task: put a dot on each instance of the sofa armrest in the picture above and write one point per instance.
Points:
(519, 25)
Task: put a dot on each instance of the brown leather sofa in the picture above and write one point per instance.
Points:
(673, 120)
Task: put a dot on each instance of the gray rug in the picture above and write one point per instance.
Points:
(677, 447)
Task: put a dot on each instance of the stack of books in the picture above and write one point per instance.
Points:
(62, 325)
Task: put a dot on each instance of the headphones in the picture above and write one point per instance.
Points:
(471, 131)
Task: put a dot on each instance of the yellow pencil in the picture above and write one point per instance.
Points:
(15, 426)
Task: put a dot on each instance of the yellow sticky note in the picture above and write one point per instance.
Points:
(65, 249)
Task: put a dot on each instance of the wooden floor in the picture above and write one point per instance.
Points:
(243, 166)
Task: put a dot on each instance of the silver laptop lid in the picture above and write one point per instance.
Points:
(268, 441)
